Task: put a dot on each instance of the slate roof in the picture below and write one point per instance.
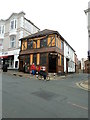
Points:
(42, 33)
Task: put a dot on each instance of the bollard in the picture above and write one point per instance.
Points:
(36, 74)
(54, 75)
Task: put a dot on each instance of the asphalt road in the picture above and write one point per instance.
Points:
(31, 98)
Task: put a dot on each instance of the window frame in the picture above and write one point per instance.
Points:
(43, 43)
(43, 59)
(13, 24)
(12, 41)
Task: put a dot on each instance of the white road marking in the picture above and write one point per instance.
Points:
(85, 108)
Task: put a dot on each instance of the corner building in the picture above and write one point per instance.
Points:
(44, 48)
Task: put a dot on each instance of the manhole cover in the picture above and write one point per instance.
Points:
(45, 94)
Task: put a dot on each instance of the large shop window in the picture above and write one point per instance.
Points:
(43, 43)
(27, 59)
(35, 59)
(43, 58)
(27, 63)
(62, 60)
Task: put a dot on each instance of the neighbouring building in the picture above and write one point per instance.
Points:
(83, 64)
(87, 12)
(11, 30)
(76, 63)
(87, 66)
(79, 64)
(69, 58)
(45, 48)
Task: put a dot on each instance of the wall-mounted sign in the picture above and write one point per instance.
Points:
(4, 53)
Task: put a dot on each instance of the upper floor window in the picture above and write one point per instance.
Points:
(2, 29)
(13, 24)
(61, 45)
(43, 43)
(32, 44)
(12, 41)
(1, 44)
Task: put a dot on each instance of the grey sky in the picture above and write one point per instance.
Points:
(65, 16)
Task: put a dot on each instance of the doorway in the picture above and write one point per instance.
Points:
(67, 60)
(21, 66)
(52, 63)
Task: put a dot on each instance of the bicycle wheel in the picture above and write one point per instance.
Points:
(48, 78)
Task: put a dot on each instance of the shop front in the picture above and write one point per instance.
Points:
(10, 58)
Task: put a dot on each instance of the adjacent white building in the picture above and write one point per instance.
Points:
(11, 30)
(69, 58)
(87, 12)
(83, 63)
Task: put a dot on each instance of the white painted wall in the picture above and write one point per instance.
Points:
(69, 53)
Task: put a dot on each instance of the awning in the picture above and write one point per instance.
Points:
(3, 56)
(6, 56)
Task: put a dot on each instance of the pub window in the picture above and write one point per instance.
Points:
(30, 44)
(35, 59)
(43, 59)
(34, 44)
(43, 43)
(61, 45)
(61, 60)
(38, 43)
(27, 59)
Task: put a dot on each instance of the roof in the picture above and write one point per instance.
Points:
(69, 45)
(31, 23)
(45, 32)
(87, 10)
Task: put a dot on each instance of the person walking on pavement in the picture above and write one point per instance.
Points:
(33, 69)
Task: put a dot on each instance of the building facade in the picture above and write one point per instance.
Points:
(11, 30)
(76, 63)
(87, 67)
(69, 58)
(45, 48)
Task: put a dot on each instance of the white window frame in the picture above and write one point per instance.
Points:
(13, 24)
(2, 29)
(12, 41)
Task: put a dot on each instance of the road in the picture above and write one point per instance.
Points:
(31, 98)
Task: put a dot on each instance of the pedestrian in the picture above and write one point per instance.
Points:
(33, 69)
(24, 67)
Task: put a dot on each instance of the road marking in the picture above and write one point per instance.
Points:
(78, 84)
(85, 108)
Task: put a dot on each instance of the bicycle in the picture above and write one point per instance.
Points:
(43, 76)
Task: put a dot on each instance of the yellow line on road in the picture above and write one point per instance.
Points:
(85, 108)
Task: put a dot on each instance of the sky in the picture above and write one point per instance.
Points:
(65, 16)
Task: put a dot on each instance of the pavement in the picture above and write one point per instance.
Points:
(82, 84)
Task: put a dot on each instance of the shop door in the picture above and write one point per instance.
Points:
(52, 63)
(21, 66)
